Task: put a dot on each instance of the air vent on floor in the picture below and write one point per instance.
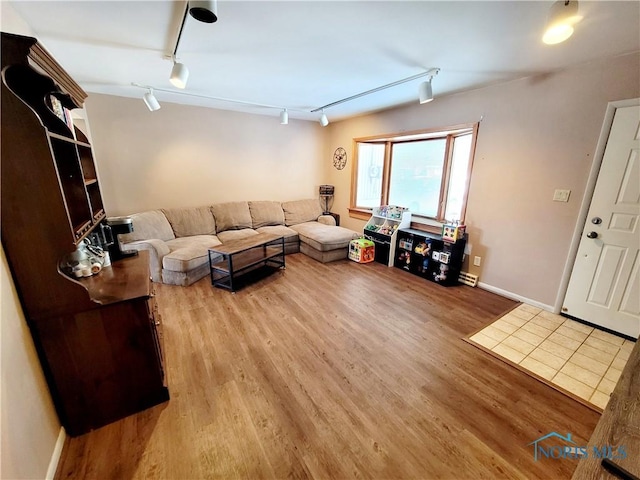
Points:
(468, 279)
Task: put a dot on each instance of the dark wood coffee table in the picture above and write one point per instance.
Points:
(236, 258)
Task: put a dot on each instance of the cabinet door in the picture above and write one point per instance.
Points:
(103, 363)
(156, 332)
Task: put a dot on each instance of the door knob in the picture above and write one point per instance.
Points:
(592, 235)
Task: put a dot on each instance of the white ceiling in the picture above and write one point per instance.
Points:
(305, 54)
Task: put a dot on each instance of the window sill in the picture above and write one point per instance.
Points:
(418, 222)
(360, 213)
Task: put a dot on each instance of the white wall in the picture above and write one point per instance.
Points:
(538, 134)
(181, 156)
(30, 426)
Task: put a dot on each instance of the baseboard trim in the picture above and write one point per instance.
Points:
(515, 296)
(57, 453)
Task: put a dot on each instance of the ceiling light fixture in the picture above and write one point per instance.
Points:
(563, 15)
(179, 75)
(324, 121)
(284, 117)
(425, 92)
(150, 101)
(284, 111)
(204, 11)
(430, 73)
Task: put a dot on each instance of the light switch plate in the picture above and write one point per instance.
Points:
(561, 195)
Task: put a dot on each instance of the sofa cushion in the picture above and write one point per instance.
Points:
(300, 211)
(324, 237)
(231, 235)
(232, 216)
(289, 234)
(187, 253)
(191, 221)
(266, 213)
(146, 225)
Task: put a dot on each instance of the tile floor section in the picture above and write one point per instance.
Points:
(583, 360)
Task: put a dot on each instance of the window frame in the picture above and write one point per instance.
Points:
(449, 133)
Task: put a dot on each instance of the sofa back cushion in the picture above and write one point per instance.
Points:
(300, 211)
(147, 225)
(187, 222)
(232, 216)
(266, 213)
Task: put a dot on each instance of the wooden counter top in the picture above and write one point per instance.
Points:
(123, 280)
(618, 427)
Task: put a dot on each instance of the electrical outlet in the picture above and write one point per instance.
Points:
(561, 195)
(476, 261)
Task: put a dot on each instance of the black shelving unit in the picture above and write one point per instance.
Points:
(429, 256)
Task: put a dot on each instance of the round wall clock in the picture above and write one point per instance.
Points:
(339, 158)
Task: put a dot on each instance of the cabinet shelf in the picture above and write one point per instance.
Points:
(97, 338)
(68, 139)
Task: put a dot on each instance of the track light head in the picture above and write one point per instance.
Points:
(324, 121)
(425, 91)
(563, 15)
(204, 11)
(179, 75)
(284, 117)
(150, 101)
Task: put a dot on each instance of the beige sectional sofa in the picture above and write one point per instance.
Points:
(178, 239)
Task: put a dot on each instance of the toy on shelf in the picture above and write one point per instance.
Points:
(390, 211)
(452, 232)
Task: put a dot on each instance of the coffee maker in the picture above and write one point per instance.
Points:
(119, 226)
(102, 238)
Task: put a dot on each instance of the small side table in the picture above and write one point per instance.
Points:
(336, 217)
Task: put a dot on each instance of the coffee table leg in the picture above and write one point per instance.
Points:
(230, 263)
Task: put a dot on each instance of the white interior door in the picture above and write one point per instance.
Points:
(604, 288)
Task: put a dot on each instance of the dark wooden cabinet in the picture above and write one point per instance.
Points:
(97, 338)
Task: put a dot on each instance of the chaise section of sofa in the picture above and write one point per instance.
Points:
(179, 239)
(319, 236)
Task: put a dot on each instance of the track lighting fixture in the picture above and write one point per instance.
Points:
(204, 11)
(179, 75)
(432, 72)
(425, 92)
(563, 15)
(324, 121)
(150, 101)
(284, 117)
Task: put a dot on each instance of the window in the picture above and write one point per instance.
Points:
(428, 172)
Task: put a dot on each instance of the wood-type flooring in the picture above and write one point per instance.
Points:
(335, 370)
